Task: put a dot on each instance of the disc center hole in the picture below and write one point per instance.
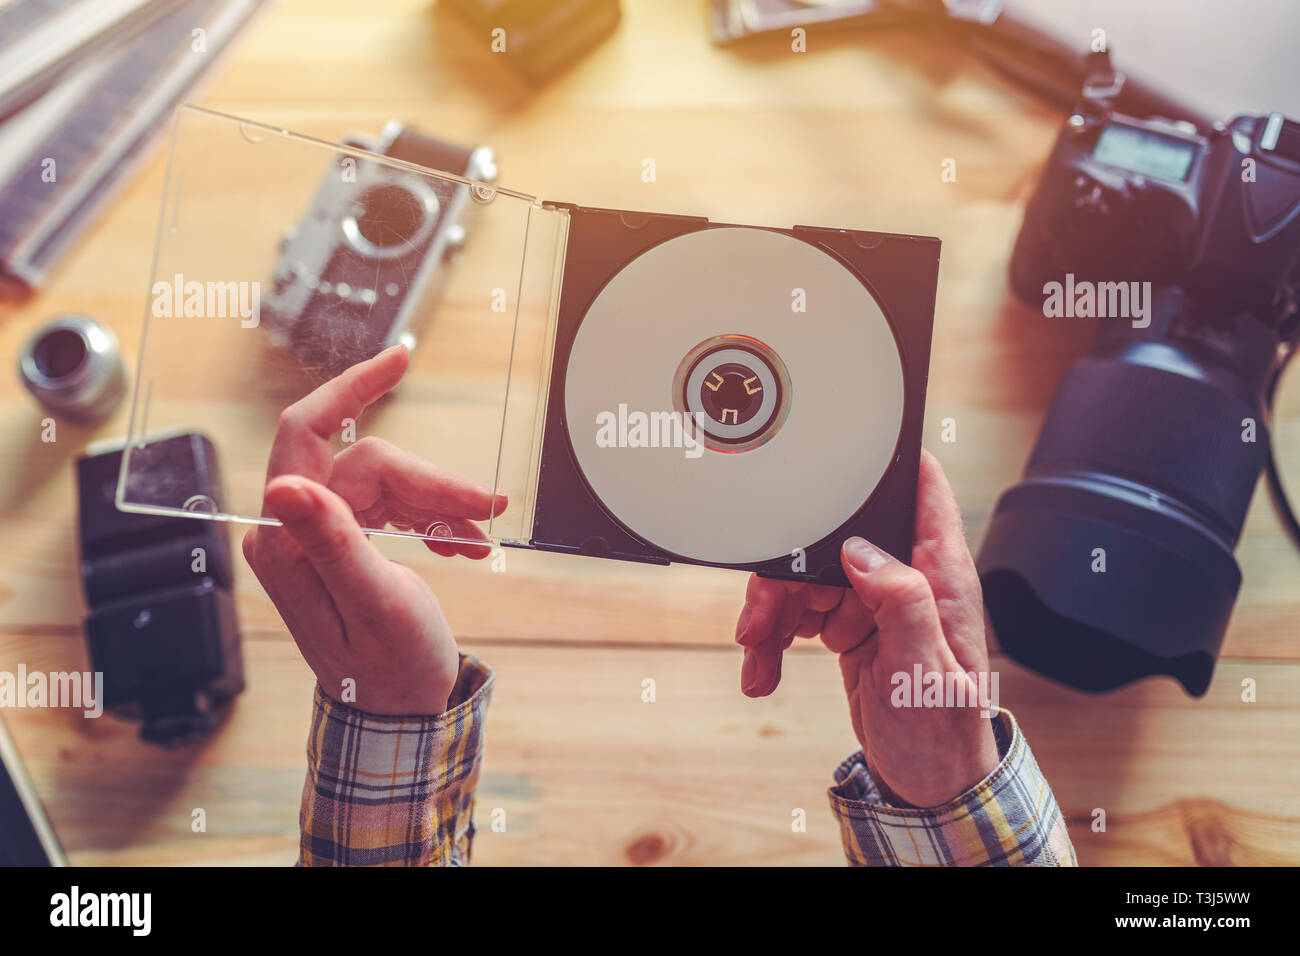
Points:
(731, 394)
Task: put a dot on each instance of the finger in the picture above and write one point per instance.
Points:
(302, 438)
(811, 624)
(764, 599)
(374, 471)
(941, 553)
(765, 657)
(761, 671)
(774, 611)
(463, 538)
(824, 597)
(848, 625)
(386, 485)
(792, 612)
(940, 541)
(322, 524)
(900, 600)
(442, 534)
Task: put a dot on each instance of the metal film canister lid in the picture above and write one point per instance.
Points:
(72, 365)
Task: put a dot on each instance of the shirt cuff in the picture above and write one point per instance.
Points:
(394, 791)
(1010, 818)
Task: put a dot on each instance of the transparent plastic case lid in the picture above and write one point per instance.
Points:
(281, 262)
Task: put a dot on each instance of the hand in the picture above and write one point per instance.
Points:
(354, 613)
(893, 618)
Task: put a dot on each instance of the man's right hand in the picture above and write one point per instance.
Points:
(893, 618)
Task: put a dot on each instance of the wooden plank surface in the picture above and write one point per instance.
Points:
(851, 134)
(586, 772)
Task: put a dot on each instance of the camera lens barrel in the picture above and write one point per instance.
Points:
(72, 365)
(1178, 438)
(1112, 559)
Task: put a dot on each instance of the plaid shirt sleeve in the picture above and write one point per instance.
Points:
(1008, 819)
(394, 791)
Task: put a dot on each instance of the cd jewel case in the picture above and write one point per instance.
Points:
(645, 387)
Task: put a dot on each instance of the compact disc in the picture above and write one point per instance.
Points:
(734, 395)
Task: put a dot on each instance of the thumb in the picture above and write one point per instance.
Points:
(898, 596)
(325, 528)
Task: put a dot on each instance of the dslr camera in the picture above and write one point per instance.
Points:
(366, 260)
(1112, 559)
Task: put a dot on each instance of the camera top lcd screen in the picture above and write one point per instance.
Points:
(1141, 151)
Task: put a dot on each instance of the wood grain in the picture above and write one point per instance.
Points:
(850, 134)
(586, 772)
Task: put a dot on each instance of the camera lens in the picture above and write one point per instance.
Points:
(391, 219)
(1113, 558)
(391, 215)
(72, 365)
(60, 353)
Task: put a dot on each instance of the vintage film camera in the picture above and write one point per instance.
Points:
(1155, 440)
(363, 264)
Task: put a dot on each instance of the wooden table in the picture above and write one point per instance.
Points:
(852, 133)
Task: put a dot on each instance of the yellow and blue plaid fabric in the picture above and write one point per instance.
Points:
(399, 791)
(1010, 818)
(394, 791)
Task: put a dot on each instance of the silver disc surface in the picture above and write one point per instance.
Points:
(842, 415)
